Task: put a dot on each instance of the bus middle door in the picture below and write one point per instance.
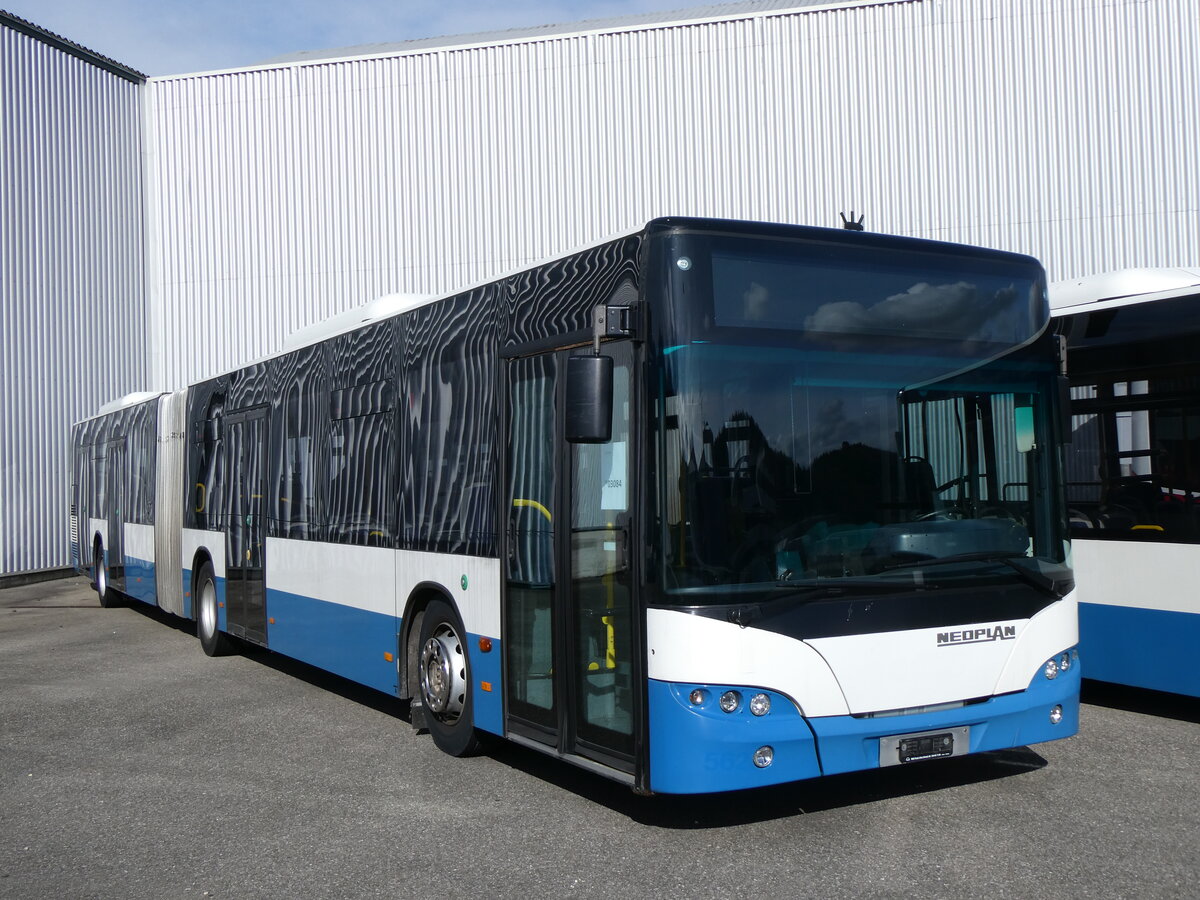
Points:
(245, 600)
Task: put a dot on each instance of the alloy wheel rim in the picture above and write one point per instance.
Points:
(443, 674)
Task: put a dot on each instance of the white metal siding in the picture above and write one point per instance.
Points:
(1066, 130)
(278, 196)
(72, 304)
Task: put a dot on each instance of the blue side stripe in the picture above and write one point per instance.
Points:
(145, 590)
(341, 639)
(1145, 648)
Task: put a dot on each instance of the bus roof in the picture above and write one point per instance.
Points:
(350, 319)
(1130, 285)
(128, 400)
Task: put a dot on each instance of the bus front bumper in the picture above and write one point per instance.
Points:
(699, 748)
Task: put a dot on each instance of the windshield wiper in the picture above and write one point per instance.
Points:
(1030, 576)
(799, 593)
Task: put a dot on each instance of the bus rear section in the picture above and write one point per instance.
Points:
(126, 491)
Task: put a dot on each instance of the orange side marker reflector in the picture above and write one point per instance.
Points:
(389, 657)
(271, 621)
(221, 604)
(485, 644)
(486, 685)
(187, 593)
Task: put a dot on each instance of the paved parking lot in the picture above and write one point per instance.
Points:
(134, 766)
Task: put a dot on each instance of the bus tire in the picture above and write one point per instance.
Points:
(104, 590)
(213, 641)
(445, 681)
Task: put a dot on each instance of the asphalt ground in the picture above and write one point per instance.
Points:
(134, 766)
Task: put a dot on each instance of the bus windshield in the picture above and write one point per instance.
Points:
(833, 459)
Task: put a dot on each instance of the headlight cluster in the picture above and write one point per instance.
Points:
(731, 701)
(1060, 664)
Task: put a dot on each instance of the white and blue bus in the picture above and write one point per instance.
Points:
(1133, 472)
(709, 506)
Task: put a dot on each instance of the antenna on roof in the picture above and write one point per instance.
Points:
(850, 224)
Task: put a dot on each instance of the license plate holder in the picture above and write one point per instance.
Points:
(918, 746)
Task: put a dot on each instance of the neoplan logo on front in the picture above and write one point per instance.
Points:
(981, 635)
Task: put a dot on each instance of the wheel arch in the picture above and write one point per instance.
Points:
(199, 558)
(410, 630)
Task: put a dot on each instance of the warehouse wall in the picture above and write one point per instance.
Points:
(72, 301)
(285, 194)
(277, 196)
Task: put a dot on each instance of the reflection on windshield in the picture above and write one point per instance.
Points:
(758, 288)
(780, 466)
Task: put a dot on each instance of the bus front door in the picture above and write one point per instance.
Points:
(245, 600)
(569, 625)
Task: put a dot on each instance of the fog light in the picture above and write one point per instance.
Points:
(698, 697)
(764, 756)
(760, 704)
(1064, 662)
(1051, 669)
(730, 701)
(1056, 715)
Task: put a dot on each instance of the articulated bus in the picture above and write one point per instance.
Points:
(1133, 472)
(709, 506)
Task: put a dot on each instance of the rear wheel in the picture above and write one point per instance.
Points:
(108, 597)
(214, 641)
(445, 672)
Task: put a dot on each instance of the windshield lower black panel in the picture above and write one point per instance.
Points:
(840, 616)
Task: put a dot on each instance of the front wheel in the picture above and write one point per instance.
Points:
(214, 641)
(446, 681)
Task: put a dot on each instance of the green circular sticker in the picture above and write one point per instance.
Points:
(464, 582)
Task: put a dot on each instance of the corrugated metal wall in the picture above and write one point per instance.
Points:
(72, 302)
(1066, 130)
(281, 195)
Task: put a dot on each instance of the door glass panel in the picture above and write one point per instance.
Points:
(600, 579)
(252, 465)
(245, 600)
(237, 532)
(530, 565)
(115, 514)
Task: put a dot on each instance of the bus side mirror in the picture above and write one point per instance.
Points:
(589, 399)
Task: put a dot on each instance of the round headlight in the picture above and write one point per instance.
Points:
(730, 701)
(760, 704)
(1051, 669)
(1064, 662)
(698, 697)
(1056, 715)
(764, 756)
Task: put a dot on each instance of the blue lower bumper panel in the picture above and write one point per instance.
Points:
(701, 749)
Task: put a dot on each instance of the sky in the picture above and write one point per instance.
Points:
(172, 37)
